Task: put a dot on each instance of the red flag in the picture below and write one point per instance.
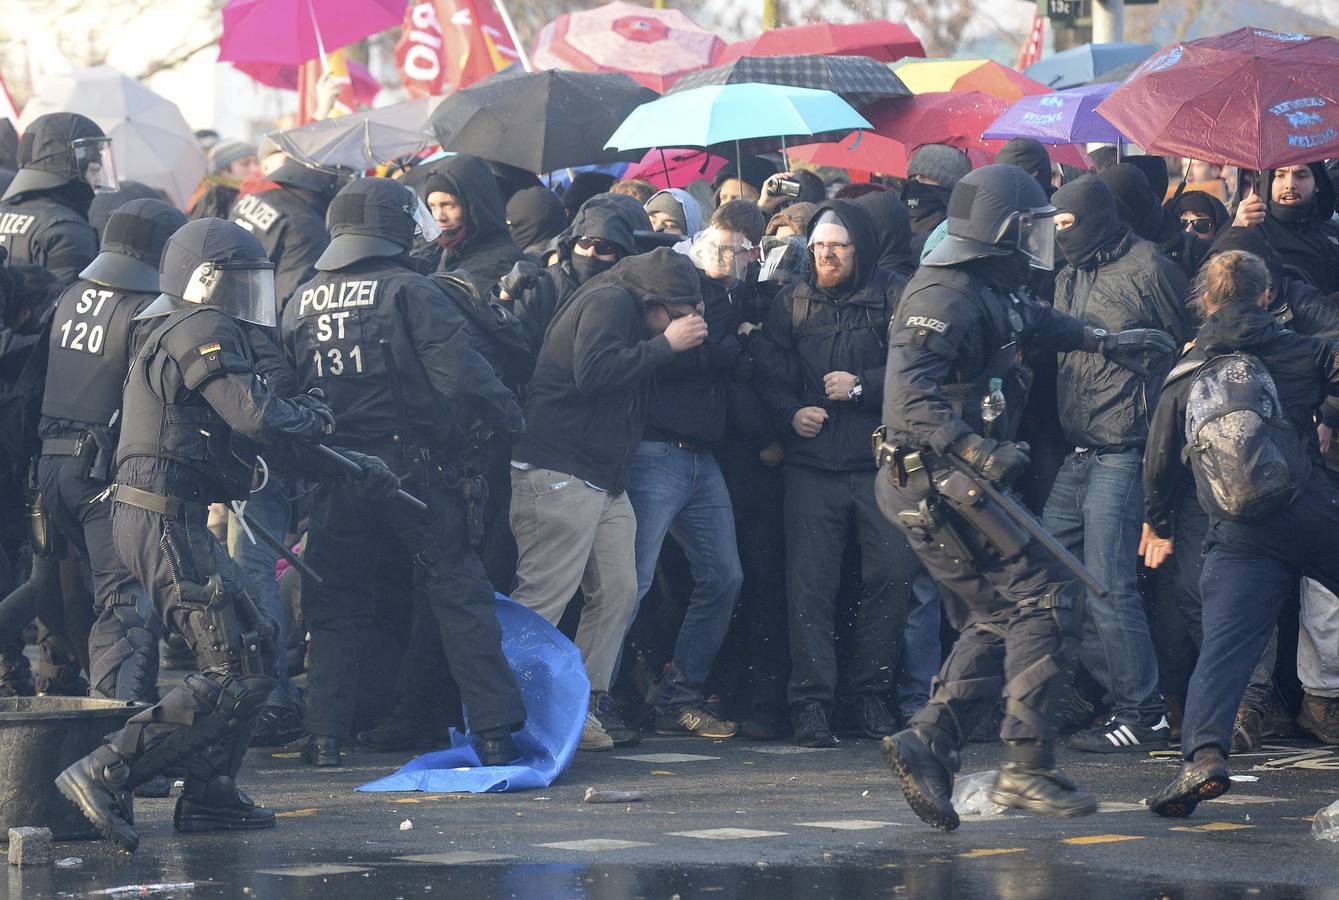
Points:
(449, 44)
(1032, 47)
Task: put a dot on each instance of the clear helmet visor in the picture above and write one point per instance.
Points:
(722, 255)
(425, 226)
(784, 260)
(245, 291)
(1036, 237)
(95, 164)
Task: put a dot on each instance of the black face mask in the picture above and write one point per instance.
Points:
(1095, 226)
(587, 267)
(927, 204)
(1295, 213)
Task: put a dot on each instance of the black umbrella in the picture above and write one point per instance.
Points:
(1118, 74)
(540, 121)
(858, 80)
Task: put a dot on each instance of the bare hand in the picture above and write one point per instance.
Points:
(1250, 211)
(771, 196)
(773, 454)
(1326, 435)
(686, 332)
(327, 93)
(808, 422)
(1154, 549)
(747, 328)
(838, 385)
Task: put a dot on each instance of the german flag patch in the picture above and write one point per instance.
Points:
(206, 349)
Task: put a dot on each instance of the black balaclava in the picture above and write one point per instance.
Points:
(1155, 170)
(1134, 199)
(927, 205)
(1029, 155)
(587, 267)
(1095, 224)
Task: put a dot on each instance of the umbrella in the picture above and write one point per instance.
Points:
(151, 142)
(1085, 63)
(539, 121)
(763, 116)
(899, 127)
(1118, 74)
(295, 31)
(365, 85)
(654, 46)
(984, 75)
(1249, 98)
(878, 39)
(676, 168)
(858, 80)
(361, 140)
(1065, 117)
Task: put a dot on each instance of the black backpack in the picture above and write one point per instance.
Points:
(1248, 458)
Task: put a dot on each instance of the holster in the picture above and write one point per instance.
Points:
(474, 488)
(992, 523)
(39, 525)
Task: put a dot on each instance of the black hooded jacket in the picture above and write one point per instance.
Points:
(587, 404)
(1311, 244)
(892, 224)
(810, 332)
(486, 252)
(289, 222)
(535, 216)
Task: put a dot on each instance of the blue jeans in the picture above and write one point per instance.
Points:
(922, 653)
(268, 509)
(682, 493)
(1096, 509)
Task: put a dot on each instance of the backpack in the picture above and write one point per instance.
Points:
(1248, 458)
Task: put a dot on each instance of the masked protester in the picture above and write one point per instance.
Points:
(893, 225)
(63, 159)
(535, 218)
(959, 326)
(1030, 156)
(931, 174)
(1296, 221)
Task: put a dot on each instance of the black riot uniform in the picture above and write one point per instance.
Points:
(961, 322)
(94, 335)
(289, 222)
(63, 158)
(395, 363)
(195, 415)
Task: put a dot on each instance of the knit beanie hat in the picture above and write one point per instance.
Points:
(940, 163)
(227, 152)
(667, 203)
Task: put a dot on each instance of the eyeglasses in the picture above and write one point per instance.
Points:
(600, 246)
(1200, 224)
(837, 247)
(672, 315)
(730, 251)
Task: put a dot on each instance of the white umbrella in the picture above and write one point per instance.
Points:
(151, 141)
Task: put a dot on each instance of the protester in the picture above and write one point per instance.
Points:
(641, 191)
(1296, 221)
(463, 196)
(742, 182)
(535, 218)
(231, 162)
(674, 211)
(931, 174)
(1030, 156)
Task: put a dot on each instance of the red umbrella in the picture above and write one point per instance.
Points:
(653, 46)
(295, 31)
(879, 39)
(682, 167)
(365, 85)
(903, 124)
(1250, 98)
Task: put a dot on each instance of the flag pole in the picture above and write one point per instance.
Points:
(511, 32)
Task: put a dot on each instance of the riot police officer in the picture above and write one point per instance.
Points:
(194, 417)
(94, 335)
(63, 159)
(959, 325)
(395, 361)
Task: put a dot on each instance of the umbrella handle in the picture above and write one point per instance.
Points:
(515, 38)
(320, 44)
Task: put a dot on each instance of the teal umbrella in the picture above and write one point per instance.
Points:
(753, 117)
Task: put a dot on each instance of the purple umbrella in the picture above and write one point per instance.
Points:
(1064, 117)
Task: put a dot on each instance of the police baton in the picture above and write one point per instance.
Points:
(277, 545)
(356, 472)
(1028, 522)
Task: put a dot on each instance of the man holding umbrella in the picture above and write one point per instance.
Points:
(1296, 221)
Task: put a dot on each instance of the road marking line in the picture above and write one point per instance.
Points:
(313, 871)
(667, 757)
(1102, 839)
(994, 851)
(1212, 826)
(1244, 799)
(593, 845)
(848, 824)
(296, 813)
(455, 858)
(726, 834)
(1114, 806)
(661, 772)
(787, 750)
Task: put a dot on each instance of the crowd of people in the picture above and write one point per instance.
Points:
(733, 438)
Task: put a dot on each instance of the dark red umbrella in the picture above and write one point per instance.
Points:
(1251, 98)
(879, 39)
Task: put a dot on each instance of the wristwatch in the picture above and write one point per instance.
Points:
(857, 390)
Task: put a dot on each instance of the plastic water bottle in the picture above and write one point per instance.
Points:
(992, 405)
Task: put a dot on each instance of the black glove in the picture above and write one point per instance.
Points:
(376, 476)
(1123, 347)
(999, 461)
(323, 412)
(522, 275)
(513, 427)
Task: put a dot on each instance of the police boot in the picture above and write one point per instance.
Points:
(323, 752)
(1203, 778)
(1029, 780)
(218, 805)
(96, 784)
(925, 759)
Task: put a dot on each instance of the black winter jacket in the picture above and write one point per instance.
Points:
(487, 251)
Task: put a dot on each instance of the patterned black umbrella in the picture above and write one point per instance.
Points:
(859, 80)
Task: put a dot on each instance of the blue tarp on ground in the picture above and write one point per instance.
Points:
(555, 690)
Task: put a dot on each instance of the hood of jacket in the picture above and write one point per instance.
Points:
(860, 225)
(534, 215)
(1324, 206)
(892, 225)
(1135, 203)
(614, 217)
(689, 210)
(660, 276)
(1238, 326)
(471, 182)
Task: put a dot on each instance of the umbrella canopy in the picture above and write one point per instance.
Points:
(676, 168)
(539, 121)
(151, 141)
(654, 46)
(361, 140)
(1065, 117)
(365, 85)
(900, 127)
(878, 39)
(1251, 98)
(295, 31)
(756, 116)
(1118, 74)
(983, 75)
(858, 80)
(1085, 63)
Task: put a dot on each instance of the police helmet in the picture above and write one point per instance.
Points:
(132, 245)
(997, 211)
(214, 262)
(62, 147)
(374, 217)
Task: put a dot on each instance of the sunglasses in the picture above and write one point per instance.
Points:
(1200, 225)
(600, 246)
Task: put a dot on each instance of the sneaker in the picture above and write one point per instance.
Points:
(622, 734)
(593, 736)
(809, 722)
(1320, 716)
(1204, 778)
(871, 719)
(1246, 730)
(698, 721)
(1115, 736)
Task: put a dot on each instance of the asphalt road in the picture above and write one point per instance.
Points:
(728, 819)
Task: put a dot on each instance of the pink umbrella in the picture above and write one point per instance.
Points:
(365, 85)
(675, 168)
(653, 46)
(295, 31)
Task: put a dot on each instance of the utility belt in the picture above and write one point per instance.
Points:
(94, 453)
(457, 471)
(156, 503)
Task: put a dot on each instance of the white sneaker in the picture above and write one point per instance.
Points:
(593, 736)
